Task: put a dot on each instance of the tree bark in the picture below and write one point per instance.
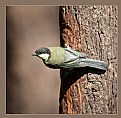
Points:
(92, 30)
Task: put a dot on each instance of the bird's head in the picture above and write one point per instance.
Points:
(43, 53)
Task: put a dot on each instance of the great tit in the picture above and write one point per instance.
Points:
(59, 57)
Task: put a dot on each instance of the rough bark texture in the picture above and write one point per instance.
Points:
(92, 30)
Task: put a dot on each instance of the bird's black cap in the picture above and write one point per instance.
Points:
(42, 50)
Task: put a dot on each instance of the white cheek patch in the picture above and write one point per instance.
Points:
(44, 56)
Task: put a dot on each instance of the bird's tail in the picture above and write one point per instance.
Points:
(95, 63)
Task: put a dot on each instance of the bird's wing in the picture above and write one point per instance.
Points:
(72, 58)
(77, 53)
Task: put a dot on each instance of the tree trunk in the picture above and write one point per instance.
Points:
(92, 30)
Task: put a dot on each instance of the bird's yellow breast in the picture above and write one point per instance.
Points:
(57, 55)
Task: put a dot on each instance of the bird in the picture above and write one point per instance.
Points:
(67, 58)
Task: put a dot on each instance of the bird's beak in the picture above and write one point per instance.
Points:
(34, 54)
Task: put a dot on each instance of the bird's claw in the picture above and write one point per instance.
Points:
(67, 46)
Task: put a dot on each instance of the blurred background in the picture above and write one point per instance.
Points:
(31, 87)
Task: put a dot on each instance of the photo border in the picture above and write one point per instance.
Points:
(3, 5)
